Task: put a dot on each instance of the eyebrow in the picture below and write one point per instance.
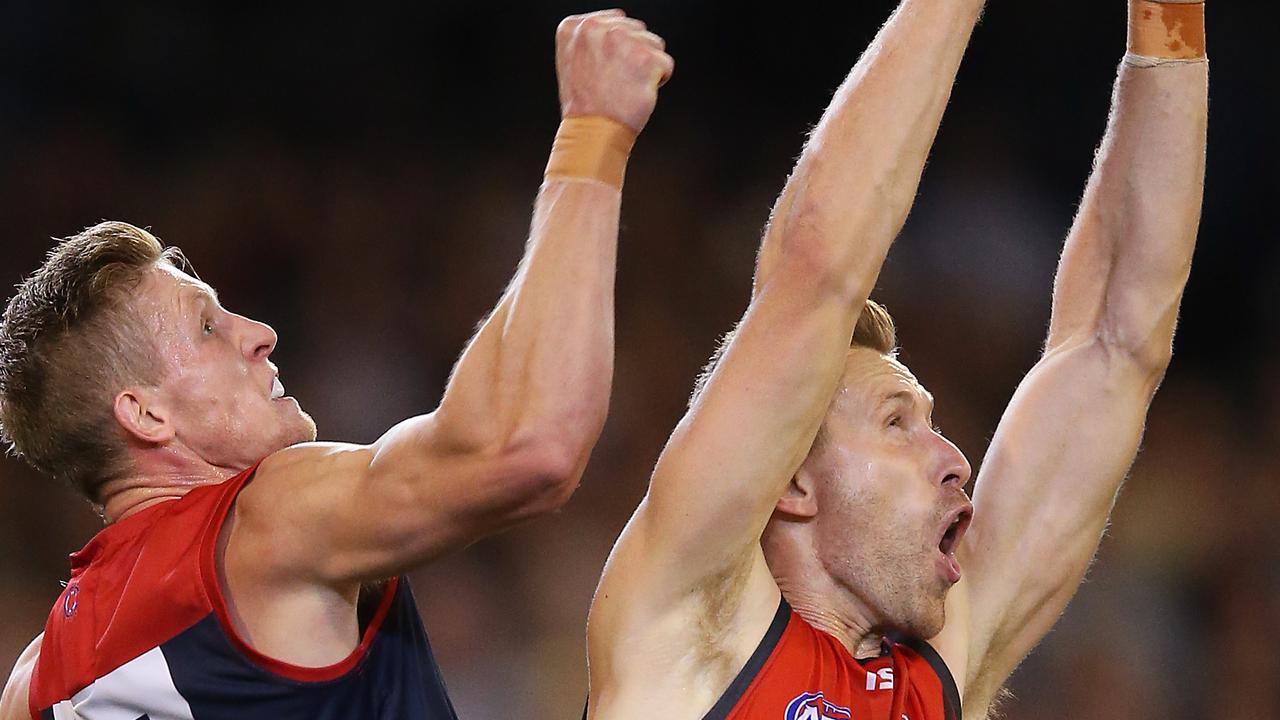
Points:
(909, 398)
(204, 292)
(200, 292)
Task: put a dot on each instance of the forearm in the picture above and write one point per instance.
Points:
(1128, 256)
(509, 441)
(538, 373)
(540, 368)
(855, 182)
(556, 348)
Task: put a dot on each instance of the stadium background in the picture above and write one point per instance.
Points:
(361, 178)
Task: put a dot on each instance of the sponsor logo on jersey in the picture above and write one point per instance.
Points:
(812, 706)
(881, 679)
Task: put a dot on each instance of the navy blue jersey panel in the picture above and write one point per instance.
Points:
(397, 677)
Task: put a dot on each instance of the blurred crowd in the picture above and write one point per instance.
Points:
(375, 252)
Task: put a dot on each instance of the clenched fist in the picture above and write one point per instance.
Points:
(609, 64)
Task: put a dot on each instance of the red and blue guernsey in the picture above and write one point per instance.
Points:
(141, 632)
(800, 673)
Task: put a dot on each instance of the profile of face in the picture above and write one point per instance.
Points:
(220, 398)
(888, 497)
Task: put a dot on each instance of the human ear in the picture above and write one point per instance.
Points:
(800, 500)
(143, 416)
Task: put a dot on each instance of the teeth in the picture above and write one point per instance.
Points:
(277, 389)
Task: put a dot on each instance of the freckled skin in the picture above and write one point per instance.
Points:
(218, 381)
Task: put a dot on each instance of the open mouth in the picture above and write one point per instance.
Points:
(959, 523)
(277, 388)
(955, 531)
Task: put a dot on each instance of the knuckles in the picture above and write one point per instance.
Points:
(607, 33)
(566, 27)
(607, 60)
(615, 37)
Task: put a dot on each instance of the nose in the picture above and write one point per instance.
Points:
(955, 467)
(257, 339)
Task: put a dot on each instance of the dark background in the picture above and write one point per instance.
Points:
(361, 178)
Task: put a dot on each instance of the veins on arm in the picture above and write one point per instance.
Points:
(1072, 429)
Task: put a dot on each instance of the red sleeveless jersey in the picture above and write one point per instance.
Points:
(800, 673)
(142, 631)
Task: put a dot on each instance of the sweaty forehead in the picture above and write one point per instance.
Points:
(179, 285)
(168, 290)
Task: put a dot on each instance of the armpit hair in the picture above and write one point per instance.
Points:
(720, 596)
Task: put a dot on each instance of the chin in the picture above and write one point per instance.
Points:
(288, 431)
(922, 627)
(934, 624)
(310, 433)
(303, 429)
(296, 426)
(924, 621)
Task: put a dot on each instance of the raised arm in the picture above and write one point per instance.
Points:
(1071, 432)
(696, 534)
(526, 401)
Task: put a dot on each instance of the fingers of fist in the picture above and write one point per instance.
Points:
(610, 64)
(610, 37)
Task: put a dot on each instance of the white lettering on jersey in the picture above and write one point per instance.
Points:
(142, 686)
(880, 680)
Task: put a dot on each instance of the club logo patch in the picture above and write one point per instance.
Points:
(71, 601)
(812, 706)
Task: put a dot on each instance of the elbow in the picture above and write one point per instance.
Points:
(560, 471)
(1127, 363)
(546, 473)
(1140, 341)
(831, 249)
(811, 266)
(1152, 358)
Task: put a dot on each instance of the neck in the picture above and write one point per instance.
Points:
(817, 598)
(857, 635)
(161, 474)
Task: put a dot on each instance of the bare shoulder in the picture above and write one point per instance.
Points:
(13, 703)
(297, 472)
(285, 484)
(310, 459)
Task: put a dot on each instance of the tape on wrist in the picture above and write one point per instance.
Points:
(591, 148)
(1166, 31)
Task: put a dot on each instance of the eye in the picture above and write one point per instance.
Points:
(207, 326)
(895, 421)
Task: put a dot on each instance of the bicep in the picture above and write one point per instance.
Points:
(1041, 501)
(14, 704)
(340, 513)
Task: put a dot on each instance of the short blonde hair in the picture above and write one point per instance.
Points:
(875, 330)
(69, 341)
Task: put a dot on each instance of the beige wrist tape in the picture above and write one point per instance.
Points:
(1163, 31)
(591, 148)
